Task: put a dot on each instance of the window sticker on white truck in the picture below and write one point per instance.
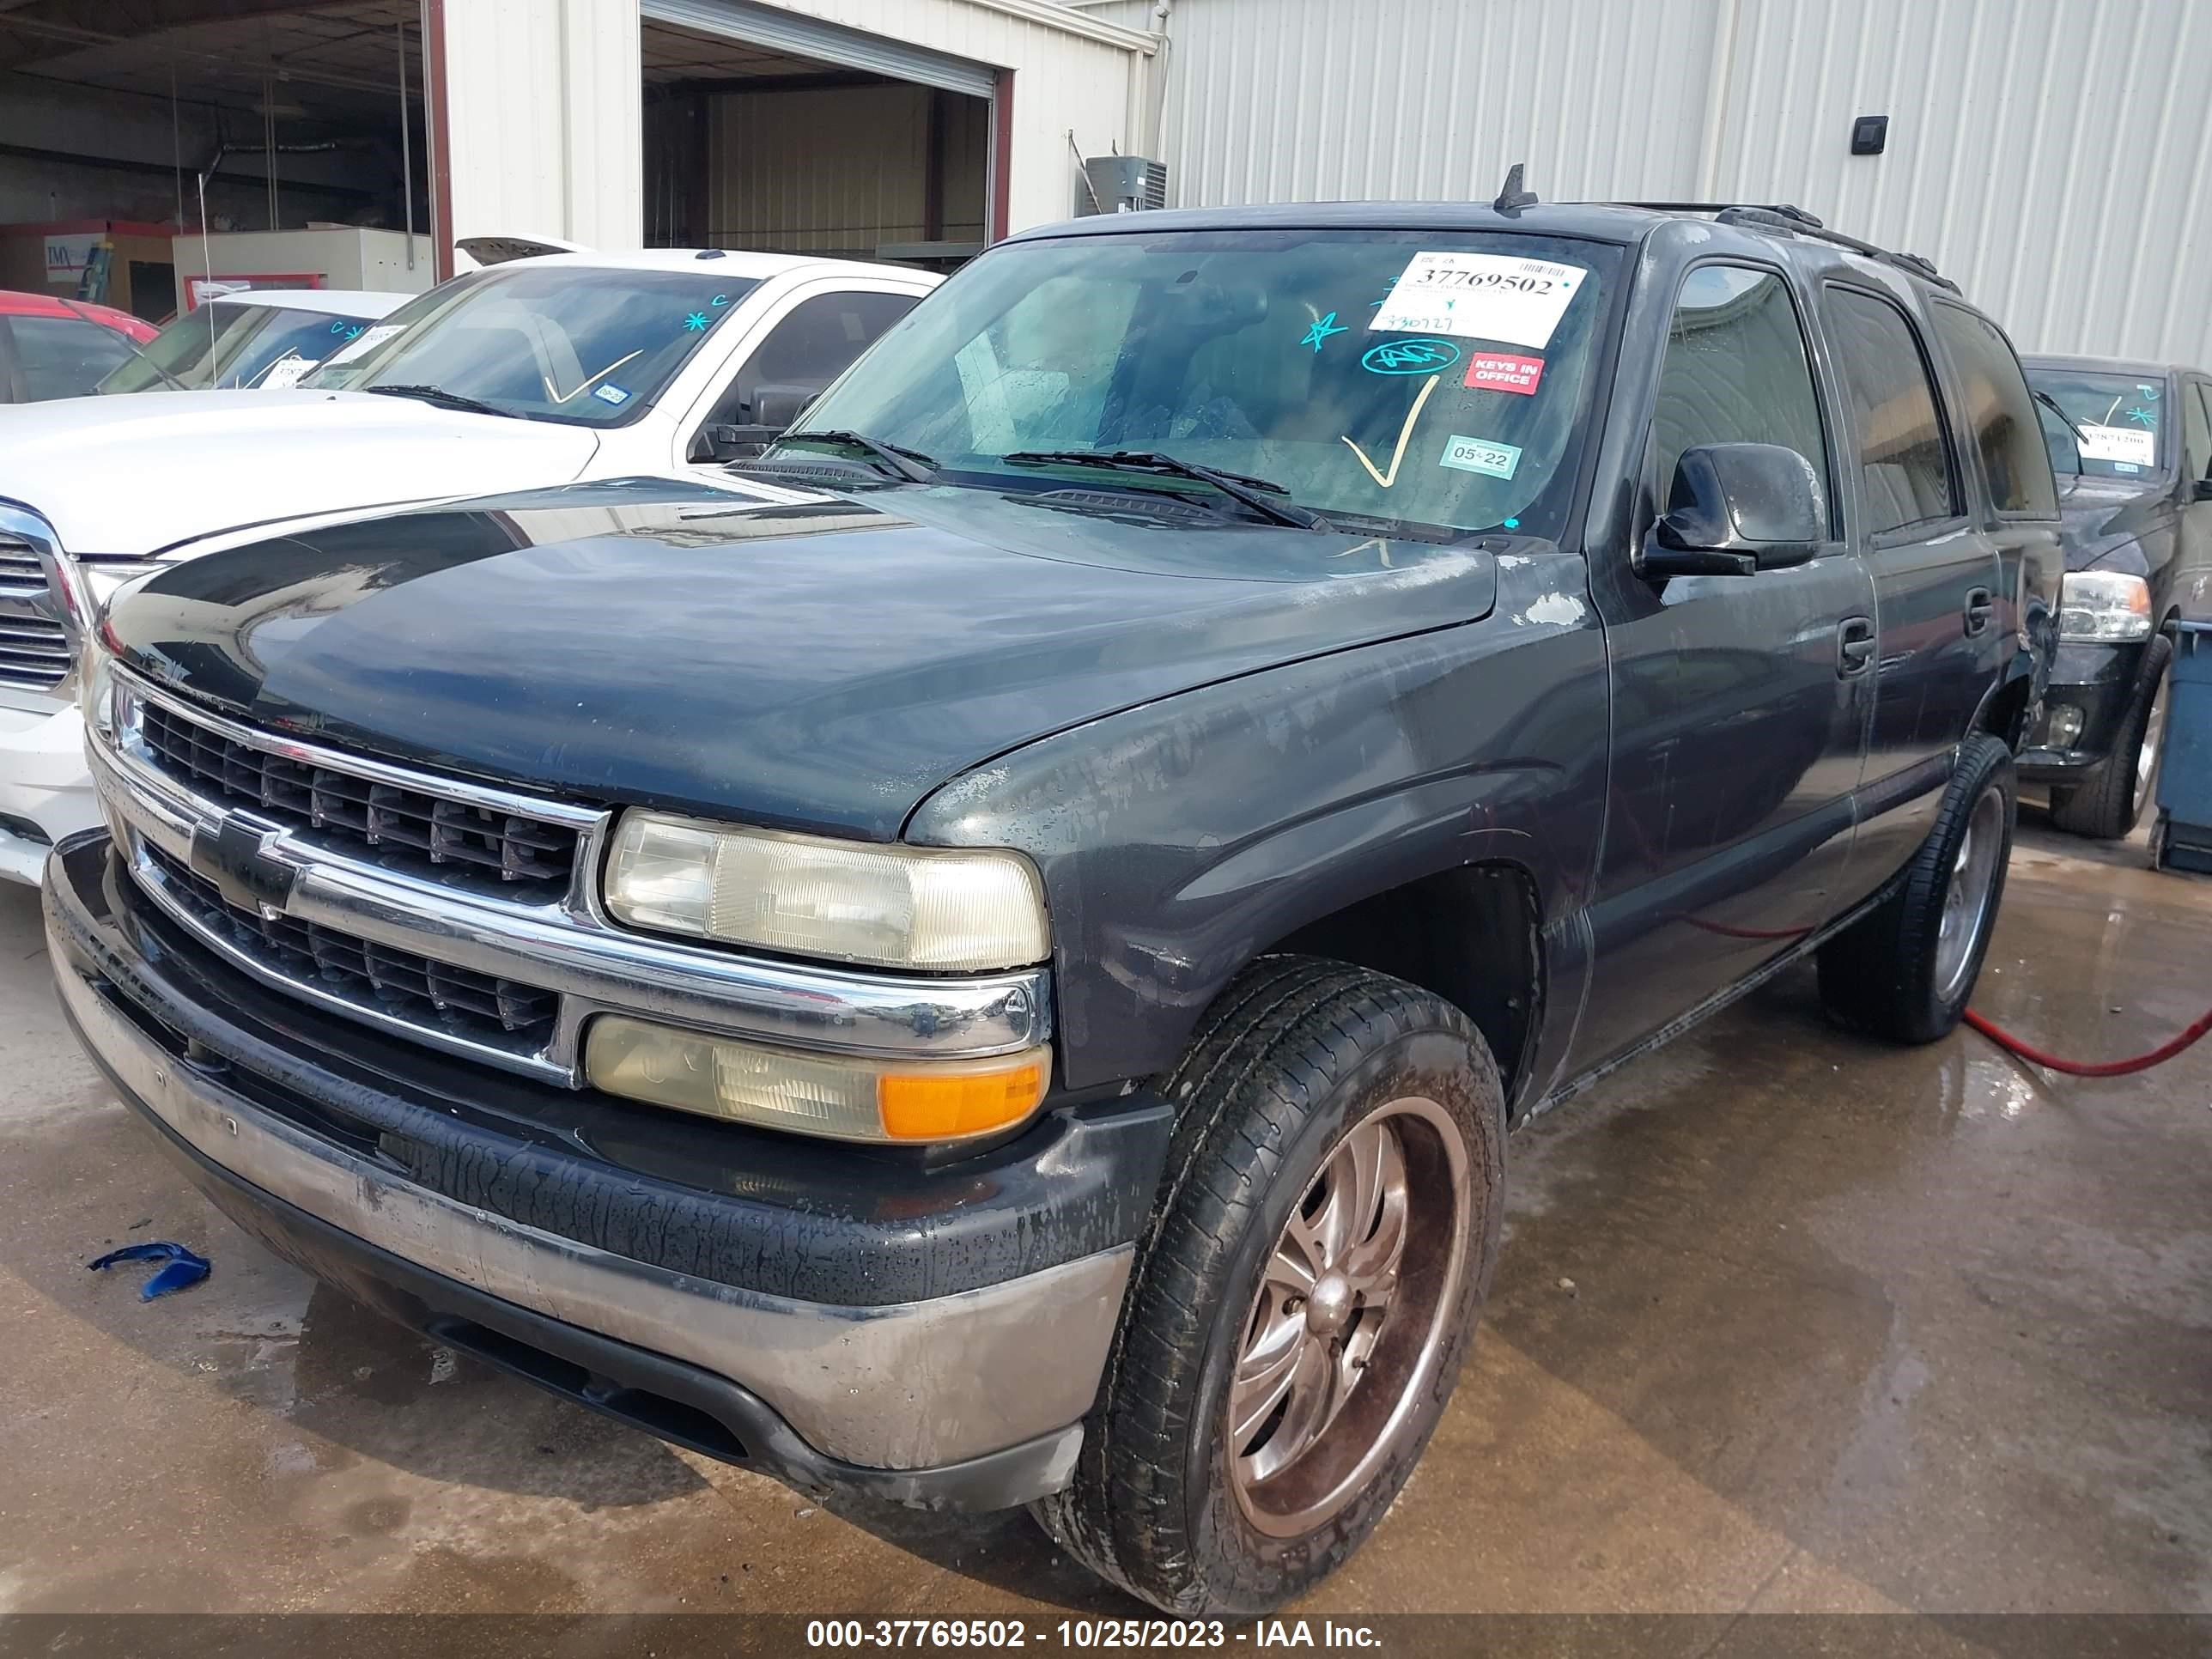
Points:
(367, 341)
(1486, 296)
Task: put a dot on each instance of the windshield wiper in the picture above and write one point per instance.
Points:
(137, 351)
(2080, 438)
(443, 398)
(1234, 485)
(908, 464)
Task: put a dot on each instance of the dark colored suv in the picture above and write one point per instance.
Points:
(1004, 976)
(2132, 447)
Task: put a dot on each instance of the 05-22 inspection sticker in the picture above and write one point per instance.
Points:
(1484, 296)
(1483, 455)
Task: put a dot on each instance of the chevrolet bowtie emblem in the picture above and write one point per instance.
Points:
(233, 857)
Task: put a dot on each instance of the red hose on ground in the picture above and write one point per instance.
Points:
(2165, 1051)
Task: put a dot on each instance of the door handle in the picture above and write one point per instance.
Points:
(1854, 646)
(1981, 605)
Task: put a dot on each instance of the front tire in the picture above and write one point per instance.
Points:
(1303, 1296)
(2109, 801)
(1905, 969)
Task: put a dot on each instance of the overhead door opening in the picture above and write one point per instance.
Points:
(293, 135)
(778, 134)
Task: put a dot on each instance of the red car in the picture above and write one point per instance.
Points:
(53, 347)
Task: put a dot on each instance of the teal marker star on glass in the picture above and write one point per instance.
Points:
(1321, 330)
(696, 322)
(2142, 417)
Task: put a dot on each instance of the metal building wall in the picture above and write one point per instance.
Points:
(2054, 156)
(542, 118)
(839, 170)
(1271, 101)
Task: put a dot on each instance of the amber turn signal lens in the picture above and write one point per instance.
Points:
(846, 1097)
(952, 1106)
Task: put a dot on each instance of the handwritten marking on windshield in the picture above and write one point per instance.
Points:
(570, 396)
(1321, 330)
(1405, 434)
(1409, 357)
(696, 322)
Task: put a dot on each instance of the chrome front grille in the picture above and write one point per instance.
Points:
(397, 985)
(34, 652)
(217, 824)
(407, 825)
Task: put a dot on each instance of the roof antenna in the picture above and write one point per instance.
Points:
(1513, 197)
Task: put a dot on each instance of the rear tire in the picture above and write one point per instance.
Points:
(1905, 969)
(1303, 1295)
(2109, 801)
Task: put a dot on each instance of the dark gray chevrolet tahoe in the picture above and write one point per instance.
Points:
(999, 971)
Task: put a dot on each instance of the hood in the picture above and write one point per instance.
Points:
(137, 475)
(823, 663)
(2103, 516)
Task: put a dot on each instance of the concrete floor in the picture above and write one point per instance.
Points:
(1786, 1320)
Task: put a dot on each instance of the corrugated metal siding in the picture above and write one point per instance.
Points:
(542, 112)
(1271, 101)
(2052, 157)
(838, 171)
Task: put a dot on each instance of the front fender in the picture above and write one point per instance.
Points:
(1181, 838)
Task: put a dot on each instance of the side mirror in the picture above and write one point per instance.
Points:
(2203, 492)
(1736, 509)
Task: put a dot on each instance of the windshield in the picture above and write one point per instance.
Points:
(581, 344)
(226, 345)
(1418, 382)
(2122, 421)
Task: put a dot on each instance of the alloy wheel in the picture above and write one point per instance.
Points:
(1351, 1318)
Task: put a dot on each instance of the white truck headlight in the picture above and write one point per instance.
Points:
(95, 685)
(2106, 607)
(926, 909)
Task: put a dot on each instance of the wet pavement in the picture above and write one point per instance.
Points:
(1786, 1320)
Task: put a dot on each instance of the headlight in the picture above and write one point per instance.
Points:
(106, 580)
(933, 909)
(2104, 605)
(845, 1098)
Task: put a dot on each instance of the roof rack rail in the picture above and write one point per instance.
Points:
(1780, 215)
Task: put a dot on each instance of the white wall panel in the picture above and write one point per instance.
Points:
(542, 102)
(2052, 157)
(1271, 101)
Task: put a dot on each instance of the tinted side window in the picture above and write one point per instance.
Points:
(1903, 461)
(816, 341)
(2197, 416)
(1999, 413)
(61, 357)
(1736, 371)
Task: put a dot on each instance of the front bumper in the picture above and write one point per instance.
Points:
(971, 1399)
(45, 791)
(2098, 681)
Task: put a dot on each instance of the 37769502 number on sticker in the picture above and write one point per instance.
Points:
(1484, 296)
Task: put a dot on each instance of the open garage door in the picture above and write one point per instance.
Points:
(769, 130)
(298, 124)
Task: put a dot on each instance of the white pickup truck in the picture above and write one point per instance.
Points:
(527, 373)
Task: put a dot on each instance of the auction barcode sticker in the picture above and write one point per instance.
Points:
(1486, 296)
(2119, 443)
